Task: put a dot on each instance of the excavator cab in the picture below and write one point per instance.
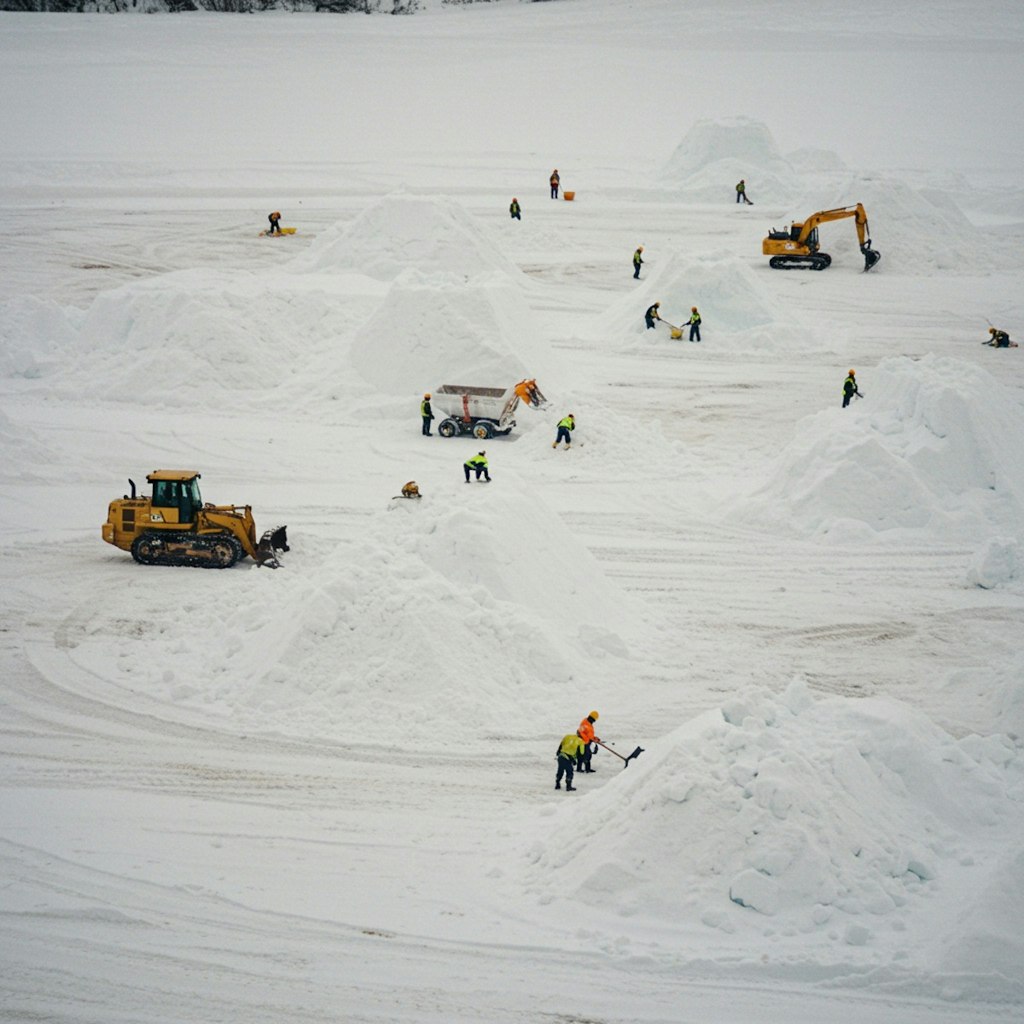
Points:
(800, 249)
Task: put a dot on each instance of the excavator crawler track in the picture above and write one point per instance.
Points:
(818, 261)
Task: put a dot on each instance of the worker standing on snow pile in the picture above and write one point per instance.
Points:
(694, 324)
(637, 262)
(741, 192)
(568, 750)
(850, 388)
(999, 339)
(586, 734)
(514, 209)
(427, 413)
(565, 427)
(555, 179)
(651, 315)
(478, 463)
(275, 223)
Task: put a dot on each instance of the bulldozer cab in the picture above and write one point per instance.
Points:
(176, 496)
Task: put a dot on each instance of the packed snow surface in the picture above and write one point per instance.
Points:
(327, 792)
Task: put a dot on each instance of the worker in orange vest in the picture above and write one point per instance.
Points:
(586, 734)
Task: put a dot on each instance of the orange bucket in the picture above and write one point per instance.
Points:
(569, 196)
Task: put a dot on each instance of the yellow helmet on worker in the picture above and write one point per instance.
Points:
(594, 715)
(853, 373)
(426, 394)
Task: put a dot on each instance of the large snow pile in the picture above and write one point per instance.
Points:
(715, 154)
(736, 306)
(431, 233)
(937, 445)
(917, 231)
(841, 820)
(433, 617)
(34, 335)
(433, 329)
(183, 338)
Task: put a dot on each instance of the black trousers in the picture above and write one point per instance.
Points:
(583, 761)
(564, 768)
(650, 322)
(481, 471)
(694, 332)
(426, 425)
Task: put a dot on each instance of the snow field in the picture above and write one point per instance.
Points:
(366, 736)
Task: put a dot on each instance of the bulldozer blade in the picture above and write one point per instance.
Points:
(270, 544)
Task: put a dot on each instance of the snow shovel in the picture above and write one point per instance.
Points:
(636, 753)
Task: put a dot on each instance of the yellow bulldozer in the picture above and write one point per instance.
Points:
(175, 526)
(798, 248)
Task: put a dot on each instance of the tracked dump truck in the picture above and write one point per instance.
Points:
(797, 247)
(175, 526)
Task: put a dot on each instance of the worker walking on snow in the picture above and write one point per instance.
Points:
(850, 388)
(999, 339)
(565, 427)
(637, 261)
(275, 223)
(427, 413)
(651, 315)
(694, 324)
(586, 734)
(741, 192)
(478, 463)
(514, 210)
(568, 751)
(555, 179)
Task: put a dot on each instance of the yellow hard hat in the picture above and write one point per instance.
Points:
(594, 715)
(853, 373)
(427, 395)
(639, 248)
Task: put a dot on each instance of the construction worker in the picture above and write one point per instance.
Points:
(275, 223)
(514, 210)
(694, 324)
(637, 261)
(568, 750)
(555, 179)
(850, 388)
(427, 413)
(478, 463)
(741, 192)
(565, 427)
(651, 315)
(1000, 339)
(586, 734)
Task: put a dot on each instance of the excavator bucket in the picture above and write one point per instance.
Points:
(270, 544)
(871, 257)
(529, 393)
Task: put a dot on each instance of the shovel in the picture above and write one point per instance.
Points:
(636, 753)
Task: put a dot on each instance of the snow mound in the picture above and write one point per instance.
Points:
(34, 335)
(432, 330)
(920, 231)
(937, 446)
(834, 818)
(734, 303)
(996, 564)
(429, 233)
(432, 617)
(715, 154)
(190, 337)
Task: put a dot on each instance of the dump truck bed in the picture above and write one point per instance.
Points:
(460, 401)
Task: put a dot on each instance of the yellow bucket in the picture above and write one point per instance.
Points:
(570, 196)
(676, 332)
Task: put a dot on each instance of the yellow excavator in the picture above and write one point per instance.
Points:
(175, 527)
(799, 249)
